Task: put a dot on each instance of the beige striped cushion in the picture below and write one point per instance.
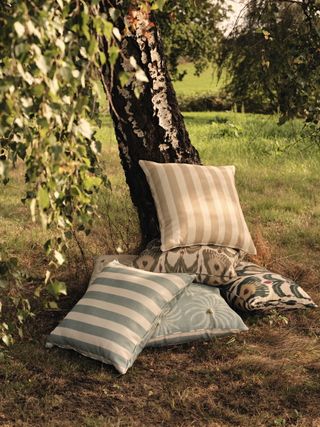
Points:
(197, 205)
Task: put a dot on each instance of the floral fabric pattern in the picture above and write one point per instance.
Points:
(199, 314)
(257, 289)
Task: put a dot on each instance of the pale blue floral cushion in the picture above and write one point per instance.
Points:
(115, 318)
(199, 314)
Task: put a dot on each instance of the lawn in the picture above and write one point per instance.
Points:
(268, 376)
(207, 82)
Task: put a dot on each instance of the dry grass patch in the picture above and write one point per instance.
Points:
(269, 373)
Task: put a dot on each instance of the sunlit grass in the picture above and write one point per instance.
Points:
(207, 82)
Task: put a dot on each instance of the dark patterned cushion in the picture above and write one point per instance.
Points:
(213, 265)
(257, 289)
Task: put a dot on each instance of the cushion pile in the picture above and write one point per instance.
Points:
(204, 238)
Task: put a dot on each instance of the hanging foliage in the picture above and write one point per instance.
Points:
(50, 66)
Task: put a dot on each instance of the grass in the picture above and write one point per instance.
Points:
(207, 82)
(269, 376)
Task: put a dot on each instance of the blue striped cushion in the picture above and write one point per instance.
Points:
(199, 314)
(115, 318)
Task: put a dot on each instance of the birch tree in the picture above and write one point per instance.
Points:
(146, 115)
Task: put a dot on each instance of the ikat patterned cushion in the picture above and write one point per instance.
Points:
(212, 265)
(258, 290)
(199, 314)
(117, 315)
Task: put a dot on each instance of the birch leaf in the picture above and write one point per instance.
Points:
(59, 257)
(84, 128)
(42, 64)
(19, 28)
(141, 76)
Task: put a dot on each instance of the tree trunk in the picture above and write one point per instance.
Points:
(148, 125)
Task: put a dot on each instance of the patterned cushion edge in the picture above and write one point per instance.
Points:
(249, 276)
(182, 338)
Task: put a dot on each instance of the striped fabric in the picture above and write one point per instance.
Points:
(103, 260)
(199, 314)
(197, 205)
(118, 313)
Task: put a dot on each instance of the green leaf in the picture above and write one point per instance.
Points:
(113, 53)
(48, 246)
(107, 29)
(124, 78)
(7, 339)
(19, 28)
(158, 4)
(43, 198)
(84, 128)
(75, 190)
(59, 257)
(116, 33)
(3, 285)
(114, 13)
(49, 111)
(96, 146)
(93, 47)
(52, 304)
(57, 288)
(89, 182)
(41, 63)
(85, 26)
(102, 57)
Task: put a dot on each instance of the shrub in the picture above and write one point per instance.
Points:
(204, 102)
(222, 102)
